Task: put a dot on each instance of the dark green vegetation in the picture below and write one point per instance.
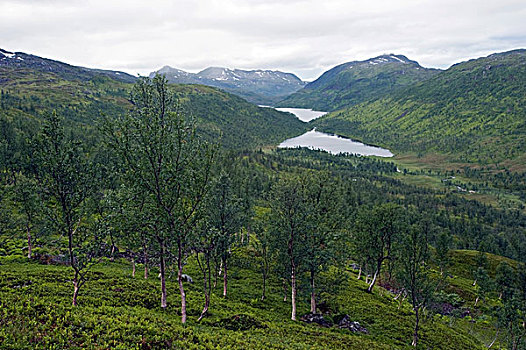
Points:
(20, 61)
(262, 87)
(27, 92)
(473, 113)
(354, 82)
(119, 311)
(265, 236)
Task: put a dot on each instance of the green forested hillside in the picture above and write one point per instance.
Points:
(138, 233)
(118, 310)
(28, 93)
(475, 112)
(354, 82)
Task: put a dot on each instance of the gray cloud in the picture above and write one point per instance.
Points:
(301, 36)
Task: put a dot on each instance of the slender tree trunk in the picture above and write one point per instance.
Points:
(494, 339)
(206, 285)
(145, 255)
(75, 291)
(163, 275)
(264, 272)
(293, 291)
(284, 290)
(373, 282)
(264, 292)
(216, 271)
(112, 254)
(180, 280)
(359, 273)
(415, 335)
(29, 243)
(476, 301)
(312, 293)
(264, 287)
(76, 281)
(133, 267)
(225, 276)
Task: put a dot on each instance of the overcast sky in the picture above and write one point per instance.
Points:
(303, 37)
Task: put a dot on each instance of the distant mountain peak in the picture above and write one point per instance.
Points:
(66, 71)
(357, 81)
(261, 86)
(389, 58)
(7, 54)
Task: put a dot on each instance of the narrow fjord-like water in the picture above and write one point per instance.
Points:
(331, 143)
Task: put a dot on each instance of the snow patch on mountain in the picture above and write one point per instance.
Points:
(7, 54)
(398, 59)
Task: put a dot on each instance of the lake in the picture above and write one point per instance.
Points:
(331, 143)
(305, 115)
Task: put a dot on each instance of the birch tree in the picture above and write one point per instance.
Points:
(66, 178)
(374, 232)
(168, 165)
(288, 219)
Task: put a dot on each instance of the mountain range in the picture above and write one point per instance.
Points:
(358, 81)
(32, 86)
(264, 87)
(20, 60)
(473, 112)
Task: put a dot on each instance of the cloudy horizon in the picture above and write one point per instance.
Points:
(299, 36)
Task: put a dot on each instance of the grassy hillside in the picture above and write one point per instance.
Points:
(474, 113)
(121, 312)
(354, 82)
(27, 93)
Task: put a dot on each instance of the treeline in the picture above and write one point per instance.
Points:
(153, 191)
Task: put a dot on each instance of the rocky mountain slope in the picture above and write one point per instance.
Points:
(32, 86)
(257, 86)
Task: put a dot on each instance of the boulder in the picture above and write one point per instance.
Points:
(316, 318)
(355, 266)
(353, 326)
(186, 278)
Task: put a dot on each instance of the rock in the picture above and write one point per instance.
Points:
(353, 326)
(316, 318)
(186, 278)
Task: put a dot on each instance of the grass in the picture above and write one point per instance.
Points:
(121, 312)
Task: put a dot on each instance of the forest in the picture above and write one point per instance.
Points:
(238, 247)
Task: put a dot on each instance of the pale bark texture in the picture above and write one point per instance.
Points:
(312, 294)
(293, 292)
(29, 243)
(180, 281)
(225, 278)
